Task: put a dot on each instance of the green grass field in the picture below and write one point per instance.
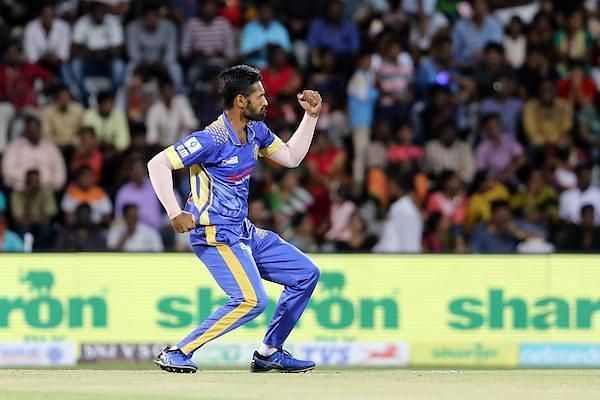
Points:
(328, 385)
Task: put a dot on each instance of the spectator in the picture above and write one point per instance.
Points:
(62, 118)
(340, 216)
(572, 200)
(402, 151)
(541, 33)
(32, 151)
(403, 226)
(536, 70)
(131, 235)
(139, 97)
(498, 153)
(207, 44)
(578, 88)
(359, 240)
(259, 213)
(536, 197)
(258, 34)
(170, 118)
(362, 95)
(281, 81)
(152, 45)
(493, 66)
(439, 108)
(87, 154)
(451, 202)
(47, 42)
(574, 41)
(546, 119)
(426, 22)
(304, 233)
(504, 103)
(10, 242)
(33, 209)
(395, 73)
(334, 32)
(17, 91)
(581, 237)
(515, 42)
(83, 191)
(109, 123)
(325, 166)
(287, 200)
(448, 152)
(436, 68)
(588, 120)
(82, 234)
(484, 190)
(435, 235)
(138, 191)
(97, 47)
(470, 35)
(501, 235)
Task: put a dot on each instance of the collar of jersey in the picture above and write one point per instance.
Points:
(234, 138)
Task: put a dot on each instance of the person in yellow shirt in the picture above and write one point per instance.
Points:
(109, 123)
(484, 189)
(62, 118)
(547, 119)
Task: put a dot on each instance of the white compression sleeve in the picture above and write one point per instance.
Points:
(293, 152)
(161, 177)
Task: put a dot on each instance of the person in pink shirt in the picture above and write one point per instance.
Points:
(32, 151)
(403, 151)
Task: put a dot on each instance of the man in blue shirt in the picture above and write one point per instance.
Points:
(221, 159)
(470, 35)
(334, 32)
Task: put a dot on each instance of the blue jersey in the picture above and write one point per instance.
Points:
(220, 167)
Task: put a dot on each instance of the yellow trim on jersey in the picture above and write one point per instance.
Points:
(207, 194)
(174, 157)
(211, 235)
(250, 301)
(194, 170)
(272, 148)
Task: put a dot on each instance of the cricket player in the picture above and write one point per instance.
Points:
(220, 159)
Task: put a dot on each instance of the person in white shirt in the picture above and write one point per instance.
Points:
(572, 200)
(98, 39)
(47, 41)
(132, 235)
(403, 227)
(170, 118)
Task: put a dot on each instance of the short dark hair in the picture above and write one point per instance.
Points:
(31, 172)
(586, 208)
(498, 204)
(105, 95)
(405, 179)
(129, 206)
(493, 46)
(485, 118)
(237, 80)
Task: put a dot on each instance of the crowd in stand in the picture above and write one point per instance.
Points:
(447, 126)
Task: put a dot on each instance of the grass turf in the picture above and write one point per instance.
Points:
(331, 385)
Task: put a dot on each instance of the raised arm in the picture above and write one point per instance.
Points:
(292, 153)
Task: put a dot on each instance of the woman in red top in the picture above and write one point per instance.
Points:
(578, 88)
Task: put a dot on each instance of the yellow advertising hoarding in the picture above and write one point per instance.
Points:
(464, 300)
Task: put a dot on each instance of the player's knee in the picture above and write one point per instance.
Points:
(261, 302)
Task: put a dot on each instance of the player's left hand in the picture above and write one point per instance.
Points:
(310, 101)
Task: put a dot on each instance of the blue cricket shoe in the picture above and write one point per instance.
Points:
(175, 361)
(280, 360)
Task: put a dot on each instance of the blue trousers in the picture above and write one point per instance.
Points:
(239, 257)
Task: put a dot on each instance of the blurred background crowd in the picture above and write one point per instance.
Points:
(447, 126)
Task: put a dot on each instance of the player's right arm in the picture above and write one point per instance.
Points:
(193, 149)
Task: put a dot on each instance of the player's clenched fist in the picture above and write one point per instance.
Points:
(310, 101)
(183, 222)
